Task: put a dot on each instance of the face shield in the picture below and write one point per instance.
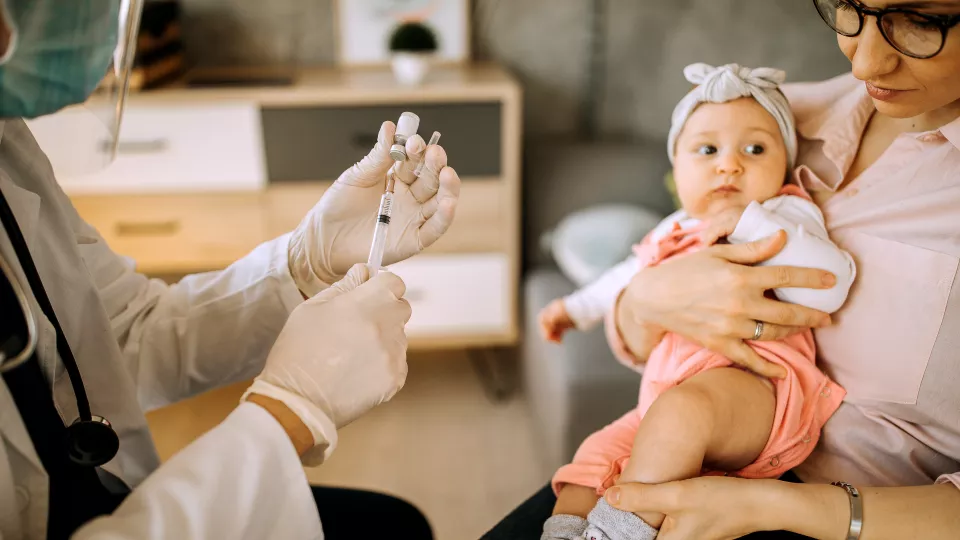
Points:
(69, 71)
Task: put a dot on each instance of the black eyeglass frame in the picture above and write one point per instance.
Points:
(943, 22)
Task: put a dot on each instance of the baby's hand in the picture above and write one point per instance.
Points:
(555, 321)
(721, 225)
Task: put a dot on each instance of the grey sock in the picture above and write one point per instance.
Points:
(608, 523)
(564, 527)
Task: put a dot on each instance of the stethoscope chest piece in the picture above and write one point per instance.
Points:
(93, 442)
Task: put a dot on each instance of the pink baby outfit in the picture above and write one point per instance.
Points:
(805, 399)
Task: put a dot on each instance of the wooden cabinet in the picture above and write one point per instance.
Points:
(204, 175)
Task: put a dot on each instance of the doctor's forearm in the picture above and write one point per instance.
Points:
(823, 511)
(239, 480)
(212, 329)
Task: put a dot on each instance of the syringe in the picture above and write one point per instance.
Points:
(375, 260)
(406, 127)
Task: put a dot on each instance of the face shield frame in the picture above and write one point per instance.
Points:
(83, 138)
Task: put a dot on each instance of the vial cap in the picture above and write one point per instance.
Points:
(398, 152)
(408, 124)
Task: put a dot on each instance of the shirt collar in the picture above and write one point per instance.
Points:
(844, 119)
(952, 132)
(840, 125)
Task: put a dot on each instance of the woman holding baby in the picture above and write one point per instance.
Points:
(879, 153)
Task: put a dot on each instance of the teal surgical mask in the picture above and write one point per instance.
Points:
(58, 53)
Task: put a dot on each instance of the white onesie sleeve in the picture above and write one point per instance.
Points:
(590, 304)
(587, 306)
(808, 246)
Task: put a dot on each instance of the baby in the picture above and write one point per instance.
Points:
(732, 145)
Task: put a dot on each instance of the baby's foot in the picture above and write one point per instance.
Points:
(564, 527)
(609, 523)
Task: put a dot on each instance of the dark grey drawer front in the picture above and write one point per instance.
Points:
(319, 143)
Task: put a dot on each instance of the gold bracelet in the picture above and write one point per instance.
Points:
(856, 510)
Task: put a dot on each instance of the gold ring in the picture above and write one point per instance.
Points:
(758, 333)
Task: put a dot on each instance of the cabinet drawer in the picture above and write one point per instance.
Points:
(453, 296)
(319, 143)
(182, 148)
(174, 234)
(480, 224)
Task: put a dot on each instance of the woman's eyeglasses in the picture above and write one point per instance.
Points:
(915, 34)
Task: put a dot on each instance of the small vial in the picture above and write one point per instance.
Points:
(406, 128)
(434, 139)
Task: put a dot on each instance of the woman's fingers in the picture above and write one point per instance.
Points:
(658, 498)
(747, 329)
(775, 332)
(752, 252)
(775, 312)
(775, 277)
(742, 354)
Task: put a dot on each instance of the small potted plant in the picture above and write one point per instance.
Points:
(412, 45)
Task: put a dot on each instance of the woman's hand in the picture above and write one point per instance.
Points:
(337, 232)
(720, 508)
(713, 298)
(722, 225)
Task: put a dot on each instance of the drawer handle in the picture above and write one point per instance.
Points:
(157, 228)
(148, 146)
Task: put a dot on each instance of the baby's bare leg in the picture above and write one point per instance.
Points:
(575, 500)
(720, 418)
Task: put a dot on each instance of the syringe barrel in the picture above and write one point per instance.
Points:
(375, 260)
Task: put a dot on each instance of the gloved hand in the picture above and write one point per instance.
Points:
(340, 354)
(337, 232)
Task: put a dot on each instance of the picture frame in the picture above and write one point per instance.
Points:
(364, 28)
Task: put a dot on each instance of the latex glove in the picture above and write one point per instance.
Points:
(338, 231)
(340, 354)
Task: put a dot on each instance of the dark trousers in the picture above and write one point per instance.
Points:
(526, 522)
(362, 515)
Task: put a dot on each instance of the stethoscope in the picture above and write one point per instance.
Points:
(91, 440)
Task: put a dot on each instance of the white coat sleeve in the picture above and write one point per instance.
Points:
(589, 305)
(242, 479)
(808, 245)
(205, 331)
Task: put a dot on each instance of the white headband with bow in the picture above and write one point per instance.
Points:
(730, 82)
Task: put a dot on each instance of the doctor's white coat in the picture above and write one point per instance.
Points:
(141, 344)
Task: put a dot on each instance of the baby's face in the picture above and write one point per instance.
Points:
(728, 155)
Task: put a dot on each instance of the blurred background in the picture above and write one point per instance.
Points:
(555, 114)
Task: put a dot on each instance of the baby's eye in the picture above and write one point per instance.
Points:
(707, 149)
(755, 149)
